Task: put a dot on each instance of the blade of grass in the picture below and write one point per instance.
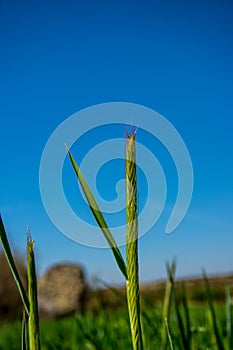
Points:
(212, 312)
(229, 319)
(169, 335)
(186, 314)
(99, 216)
(167, 305)
(34, 334)
(11, 263)
(178, 313)
(211, 327)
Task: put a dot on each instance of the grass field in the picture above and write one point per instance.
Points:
(111, 330)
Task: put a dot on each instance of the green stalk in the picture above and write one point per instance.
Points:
(213, 317)
(229, 326)
(167, 304)
(132, 284)
(186, 314)
(169, 335)
(34, 334)
(185, 342)
(11, 263)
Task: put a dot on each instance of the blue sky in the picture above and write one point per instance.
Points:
(174, 57)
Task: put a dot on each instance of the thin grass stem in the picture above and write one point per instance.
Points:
(186, 314)
(229, 325)
(169, 334)
(185, 343)
(167, 305)
(212, 312)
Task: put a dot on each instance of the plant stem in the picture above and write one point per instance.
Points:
(132, 284)
(34, 335)
(212, 313)
(167, 305)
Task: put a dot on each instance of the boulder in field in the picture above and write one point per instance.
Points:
(62, 290)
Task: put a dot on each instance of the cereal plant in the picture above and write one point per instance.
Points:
(130, 268)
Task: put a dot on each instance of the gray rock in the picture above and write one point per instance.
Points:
(62, 290)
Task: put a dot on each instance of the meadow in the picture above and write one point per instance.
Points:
(105, 324)
(109, 329)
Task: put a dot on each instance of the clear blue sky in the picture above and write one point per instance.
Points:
(172, 56)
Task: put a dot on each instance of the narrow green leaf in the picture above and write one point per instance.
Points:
(167, 304)
(34, 334)
(169, 335)
(185, 342)
(10, 259)
(229, 325)
(212, 312)
(99, 216)
(186, 313)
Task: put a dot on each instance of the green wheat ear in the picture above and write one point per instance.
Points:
(132, 284)
(34, 335)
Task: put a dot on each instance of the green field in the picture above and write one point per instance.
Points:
(110, 330)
